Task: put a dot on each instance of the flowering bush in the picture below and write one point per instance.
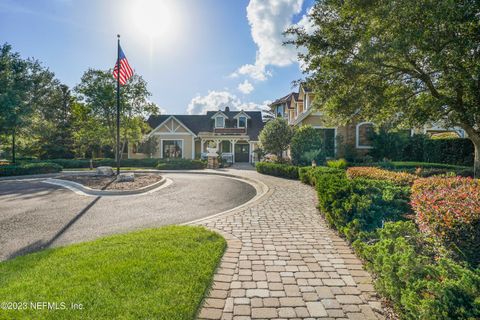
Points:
(449, 210)
(401, 178)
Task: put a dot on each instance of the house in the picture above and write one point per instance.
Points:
(297, 109)
(354, 137)
(235, 133)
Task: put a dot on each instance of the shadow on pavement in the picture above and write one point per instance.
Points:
(40, 244)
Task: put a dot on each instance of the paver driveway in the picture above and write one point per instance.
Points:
(284, 262)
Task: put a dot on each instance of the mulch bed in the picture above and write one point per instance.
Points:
(110, 183)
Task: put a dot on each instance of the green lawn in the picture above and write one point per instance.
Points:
(151, 274)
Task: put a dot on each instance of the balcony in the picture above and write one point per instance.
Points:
(230, 130)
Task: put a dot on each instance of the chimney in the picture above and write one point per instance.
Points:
(227, 109)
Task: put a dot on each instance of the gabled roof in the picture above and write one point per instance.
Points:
(242, 113)
(286, 99)
(204, 123)
(305, 88)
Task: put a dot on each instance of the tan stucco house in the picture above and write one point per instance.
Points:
(235, 133)
(296, 108)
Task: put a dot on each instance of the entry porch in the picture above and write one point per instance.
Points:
(232, 149)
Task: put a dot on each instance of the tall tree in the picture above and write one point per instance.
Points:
(97, 91)
(401, 62)
(275, 136)
(14, 86)
(54, 121)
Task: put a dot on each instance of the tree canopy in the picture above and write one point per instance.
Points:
(275, 136)
(397, 63)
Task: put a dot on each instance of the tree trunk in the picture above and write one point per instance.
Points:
(474, 136)
(476, 161)
(13, 147)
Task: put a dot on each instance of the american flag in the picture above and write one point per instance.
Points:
(126, 71)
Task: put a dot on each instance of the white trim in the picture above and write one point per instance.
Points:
(193, 148)
(164, 122)
(357, 137)
(219, 113)
(219, 117)
(161, 146)
(335, 137)
(242, 113)
(172, 134)
(246, 122)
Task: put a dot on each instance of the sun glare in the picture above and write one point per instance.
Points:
(155, 19)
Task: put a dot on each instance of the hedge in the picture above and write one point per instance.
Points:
(423, 169)
(309, 175)
(29, 168)
(419, 285)
(401, 178)
(401, 147)
(180, 164)
(448, 209)
(278, 170)
(85, 163)
(408, 269)
(353, 206)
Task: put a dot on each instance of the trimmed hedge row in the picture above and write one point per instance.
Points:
(353, 206)
(180, 164)
(278, 170)
(29, 168)
(420, 285)
(401, 178)
(85, 163)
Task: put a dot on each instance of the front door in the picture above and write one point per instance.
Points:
(242, 152)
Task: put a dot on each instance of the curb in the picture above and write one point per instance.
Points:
(83, 190)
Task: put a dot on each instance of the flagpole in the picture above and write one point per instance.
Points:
(118, 105)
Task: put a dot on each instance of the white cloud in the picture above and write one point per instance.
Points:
(306, 23)
(268, 20)
(245, 87)
(218, 100)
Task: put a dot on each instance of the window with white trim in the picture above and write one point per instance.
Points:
(219, 122)
(363, 134)
(172, 148)
(242, 122)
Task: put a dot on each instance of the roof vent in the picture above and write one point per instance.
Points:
(227, 109)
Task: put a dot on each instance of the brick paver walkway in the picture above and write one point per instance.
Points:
(284, 262)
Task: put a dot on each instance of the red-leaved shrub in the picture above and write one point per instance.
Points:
(402, 178)
(449, 210)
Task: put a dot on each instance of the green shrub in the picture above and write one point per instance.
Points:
(85, 163)
(308, 174)
(29, 168)
(278, 170)
(419, 286)
(400, 146)
(337, 164)
(306, 145)
(180, 164)
(400, 178)
(358, 205)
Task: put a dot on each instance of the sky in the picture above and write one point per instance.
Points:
(196, 55)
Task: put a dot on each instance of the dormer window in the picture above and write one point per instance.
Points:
(219, 122)
(242, 122)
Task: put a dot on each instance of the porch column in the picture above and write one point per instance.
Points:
(193, 148)
(250, 158)
(233, 149)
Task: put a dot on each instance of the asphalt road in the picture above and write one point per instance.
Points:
(35, 215)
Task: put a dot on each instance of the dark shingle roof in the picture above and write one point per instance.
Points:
(286, 99)
(204, 123)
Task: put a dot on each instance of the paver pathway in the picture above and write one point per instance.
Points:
(284, 262)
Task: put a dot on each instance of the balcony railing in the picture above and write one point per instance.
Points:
(230, 130)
